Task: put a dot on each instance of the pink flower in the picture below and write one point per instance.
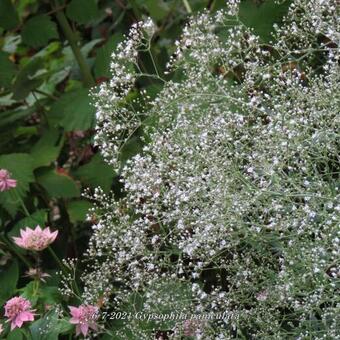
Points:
(84, 317)
(6, 182)
(262, 296)
(18, 310)
(35, 239)
(191, 327)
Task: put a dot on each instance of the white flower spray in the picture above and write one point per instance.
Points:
(233, 203)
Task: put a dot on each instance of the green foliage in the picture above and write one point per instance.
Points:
(8, 16)
(10, 116)
(262, 16)
(82, 11)
(21, 168)
(39, 217)
(73, 111)
(16, 334)
(57, 184)
(9, 276)
(47, 149)
(77, 210)
(157, 9)
(49, 327)
(28, 78)
(96, 173)
(38, 30)
(7, 70)
(103, 59)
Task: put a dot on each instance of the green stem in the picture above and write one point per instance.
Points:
(63, 269)
(187, 6)
(51, 96)
(21, 203)
(56, 259)
(73, 41)
(12, 248)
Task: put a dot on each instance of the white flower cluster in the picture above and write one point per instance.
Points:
(233, 205)
(116, 117)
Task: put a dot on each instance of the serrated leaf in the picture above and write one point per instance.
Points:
(261, 17)
(73, 111)
(47, 149)
(21, 169)
(9, 276)
(8, 16)
(27, 80)
(77, 210)
(7, 70)
(103, 58)
(58, 185)
(38, 30)
(89, 173)
(82, 11)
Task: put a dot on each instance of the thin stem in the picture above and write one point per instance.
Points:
(22, 203)
(56, 259)
(64, 270)
(153, 62)
(73, 41)
(12, 248)
(51, 96)
(187, 6)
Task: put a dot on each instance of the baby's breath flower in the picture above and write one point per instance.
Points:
(232, 204)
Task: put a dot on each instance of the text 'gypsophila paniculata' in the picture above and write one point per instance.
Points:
(233, 203)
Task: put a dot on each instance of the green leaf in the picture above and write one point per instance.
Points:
(30, 292)
(27, 79)
(8, 15)
(89, 173)
(9, 276)
(157, 9)
(16, 334)
(261, 17)
(57, 184)
(10, 43)
(47, 149)
(131, 148)
(88, 47)
(49, 327)
(82, 11)
(9, 117)
(77, 210)
(39, 217)
(103, 58)
(7, 70)
(20, 167)
(50, 295)
(38, 30)
(73, 111)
